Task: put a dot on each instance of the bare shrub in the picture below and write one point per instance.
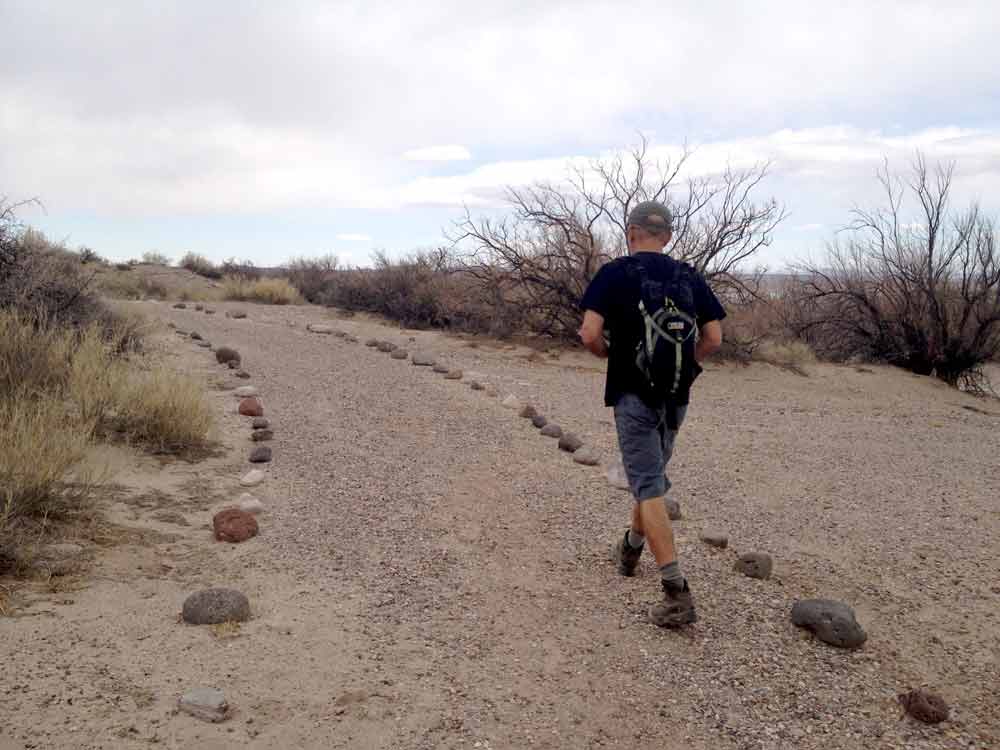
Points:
(543, 253)
(912, 283)
(200, 265)
(87, 255)
(244, 270)
(275, 291)
(155, 258)
(313, 277)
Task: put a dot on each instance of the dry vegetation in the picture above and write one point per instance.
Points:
(275, 291)
(72, 373)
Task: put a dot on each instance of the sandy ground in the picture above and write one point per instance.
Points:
(433, 573)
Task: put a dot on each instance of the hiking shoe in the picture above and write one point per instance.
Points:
(627, 557)
(676, 609)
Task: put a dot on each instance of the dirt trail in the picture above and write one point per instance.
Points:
(433, 573)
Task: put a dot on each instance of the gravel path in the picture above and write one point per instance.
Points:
(433, 573)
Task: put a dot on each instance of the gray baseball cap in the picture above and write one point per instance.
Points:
(652, 216)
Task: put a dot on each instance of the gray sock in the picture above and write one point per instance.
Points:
(635, 539)
(671, 573)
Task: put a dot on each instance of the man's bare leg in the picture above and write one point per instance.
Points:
(651, 520)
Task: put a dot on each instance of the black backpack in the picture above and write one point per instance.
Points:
(665, 352)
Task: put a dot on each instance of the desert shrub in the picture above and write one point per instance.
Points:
(240, 269)
(154, 258)
(164, 411)
(911, 283)
(313, 277)
(200, 265)
(267, 291)
(87, 255)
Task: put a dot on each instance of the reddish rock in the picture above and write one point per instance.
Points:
(250, 407)
(234, 525)
(925, 706)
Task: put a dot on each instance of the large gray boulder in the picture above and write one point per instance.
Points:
(831, 621)
(212, 606)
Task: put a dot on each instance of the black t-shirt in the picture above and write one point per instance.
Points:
(614, 294)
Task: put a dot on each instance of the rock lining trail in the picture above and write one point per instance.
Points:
(433, 573)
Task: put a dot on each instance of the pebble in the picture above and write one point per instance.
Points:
(212, 606)
(527, 412)
(586, 456)
(243, 374)
(476, 385)
(260, 423)
(237, 314)
(755, 565)
(453, 375)
(371, 342)
(261, 435)
(195, 336)
(250, 504)
(319, 328)
(386, 346)
(252, 478)
(250, 407)
(511, 402)
(441, 369)
(209, 311)
(207, 704)
(261, 454)
(423, 360)
(234, 525)
(199, 307)
(226, 354)
(925, 706)
(399, 354)
(831, 621)
(673, 509)
(552, 430)
(203, 344)
(539, 421)
(246, 391)
(714, 539)
(570, 443)
(180, 306)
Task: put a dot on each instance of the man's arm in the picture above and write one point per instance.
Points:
(592, 333)
(709, 341)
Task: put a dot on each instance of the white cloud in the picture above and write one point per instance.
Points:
(438, 153)
(354, 237)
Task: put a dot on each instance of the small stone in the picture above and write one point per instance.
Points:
(673, 509)
(453, 375)
(195, 336)
(209, 311)
(181, 332)
(237, 314)
(199, 308)
(212, 606)
(587, 457)
(924, 706)
(831, 621)
(319, 328)
(755, 565)
(246, 391)
(386, 346)
(250, 407)
(423, 360)
(476, 385)
(180, 306)
(243, 374)
(552, 430)
(207, 704)
(570, 443)
(225, 355)
(441, 369)
(511, 402)
(399, 354)
(259, 436)
(371, 342)
(261, 454)
(234, 525)
(250, 504)
(714, 539)
(260, 423)
(527, 412)
(252, 478)
(203, 344)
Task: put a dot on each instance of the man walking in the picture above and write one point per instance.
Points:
(655, 319)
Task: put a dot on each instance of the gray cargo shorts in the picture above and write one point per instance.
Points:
(646, 444)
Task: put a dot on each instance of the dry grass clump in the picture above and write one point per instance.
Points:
(163, 411)
(130, 285)
(272, 291)
(791, 355)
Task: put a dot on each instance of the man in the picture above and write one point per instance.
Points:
(661, 320)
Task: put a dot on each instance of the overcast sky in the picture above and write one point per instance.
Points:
(267, 130)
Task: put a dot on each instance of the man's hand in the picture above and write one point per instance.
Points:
(709, 340)
(592, 333)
